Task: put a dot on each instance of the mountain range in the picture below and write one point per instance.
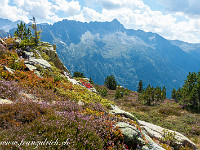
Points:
(6, 24)
(99, 49)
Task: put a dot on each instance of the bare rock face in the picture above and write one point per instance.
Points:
(117, 111)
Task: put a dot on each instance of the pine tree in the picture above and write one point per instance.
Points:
(21, 31)
(163, 93)
(110, 82)
(91, 81)
(140, 87)
(36, 32)
(173, 95)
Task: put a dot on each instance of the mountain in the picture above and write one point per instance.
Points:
(6, 24)
(99, 49)
(2, 33)
(190, 48)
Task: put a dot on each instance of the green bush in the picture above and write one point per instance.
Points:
(118, 94)
(103, 92)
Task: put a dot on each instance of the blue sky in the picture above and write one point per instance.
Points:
(173, 19)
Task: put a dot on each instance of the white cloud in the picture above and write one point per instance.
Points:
(70, 8)
(39, 8)
(111, 4)
(136, 15)
(87, 15)
(188, 7)
(11, 12)
(133, 14)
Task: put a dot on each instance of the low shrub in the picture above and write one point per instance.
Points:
(169, 111)
(17, 114)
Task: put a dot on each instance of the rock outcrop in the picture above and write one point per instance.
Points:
(158, 132)
(149, 131)
(51, 52)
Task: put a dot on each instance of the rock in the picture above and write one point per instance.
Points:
(9, 69)
(37, 73)
(30, 67)
(93, 90)
(117, 111)
(18, 41)
(158, 132)
(80, 103)
(151, 145)
(51, 52)
(73, 81)
(133, 136)
(5, 101)
(40, 62)
(28, 54)
(129, 132)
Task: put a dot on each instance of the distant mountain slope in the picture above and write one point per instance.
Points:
(99, 49)
(2, 33)
(6, 24)
(190, 48)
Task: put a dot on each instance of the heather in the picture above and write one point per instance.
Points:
(8, 90)
(62, 122)
(46, 108)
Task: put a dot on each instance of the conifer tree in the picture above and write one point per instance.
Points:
(22, 32)
(163, 93)
(140, 87)
(110, 82)
(173, 95)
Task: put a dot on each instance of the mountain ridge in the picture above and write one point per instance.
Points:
(95, 47)
(110, 41)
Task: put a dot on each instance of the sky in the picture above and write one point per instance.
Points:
(172, 19)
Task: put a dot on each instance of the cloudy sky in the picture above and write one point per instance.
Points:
(173, 19)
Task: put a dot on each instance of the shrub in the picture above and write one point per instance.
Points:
(103, 92)
(169, 111)
(118, 94)
(17, 114)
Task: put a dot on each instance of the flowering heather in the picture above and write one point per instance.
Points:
(8, 90)
(17, 114)
(58, 116)
(81, 131)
